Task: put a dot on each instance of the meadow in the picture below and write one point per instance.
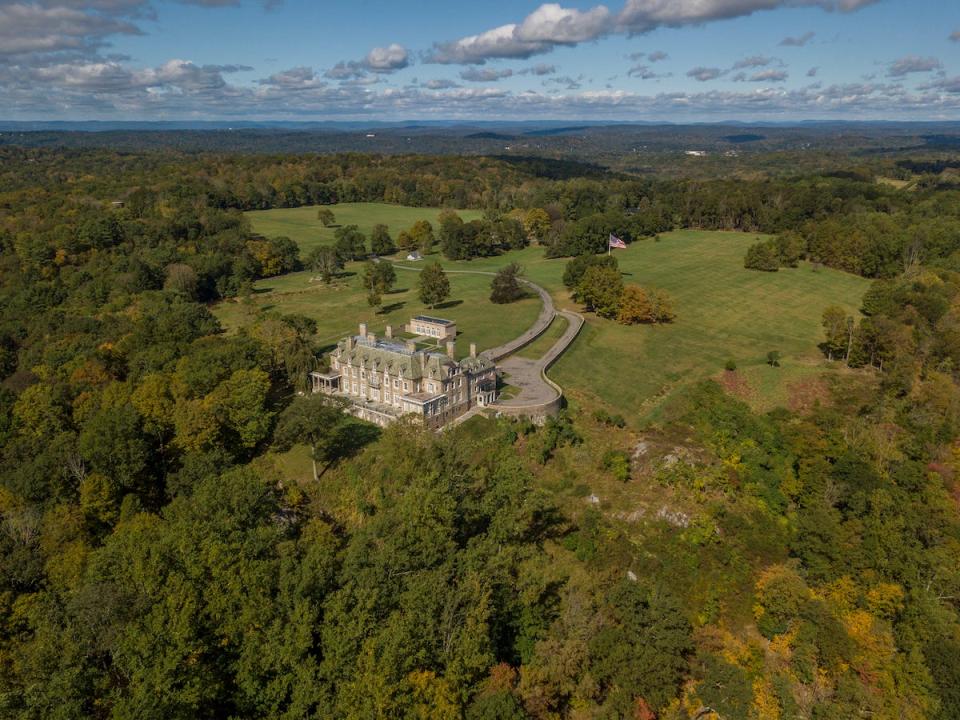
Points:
(724, 313)
(340, 306)
(301, 225)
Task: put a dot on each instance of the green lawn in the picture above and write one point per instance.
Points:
(301, 224)
(339, 307)
(723, 312)
(538, 347)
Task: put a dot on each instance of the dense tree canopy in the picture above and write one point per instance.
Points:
(162, 557)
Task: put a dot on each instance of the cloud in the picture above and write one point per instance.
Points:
(644, 72)
(913, 64)
(657, 56)
(945, 84)
(485, 74)
(769, 76)
(642, 16)
(387, 59)
(539, 69)
(798, 41)
(812, 72)
(298, 78)
(440, 84)
(756, 61)
(381, 60)
(552, 25)
(703, 74)
(32, 28)
(955, 36)
(567, 82)
(184, 89)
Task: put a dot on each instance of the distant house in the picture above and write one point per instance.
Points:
(433, 327)
(415, 255)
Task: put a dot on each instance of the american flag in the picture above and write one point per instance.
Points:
(616, 242)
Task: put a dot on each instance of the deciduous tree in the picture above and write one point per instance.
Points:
(434, 285)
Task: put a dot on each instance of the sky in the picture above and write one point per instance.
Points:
(639, 60)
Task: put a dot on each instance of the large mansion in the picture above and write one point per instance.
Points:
(386, 378)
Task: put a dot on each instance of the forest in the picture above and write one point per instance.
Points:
(157, 562)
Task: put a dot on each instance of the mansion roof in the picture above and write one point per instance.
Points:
(399, 359)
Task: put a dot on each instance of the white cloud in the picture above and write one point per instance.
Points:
(539, 69)
(657, 56)
(440, 84)
(703, 74)
(30, 28)
(641, 16)
(485, 74)
(913, 64)
(769, 76)
(756, 61)
(387, 59)
(798, 41)
(552, 25)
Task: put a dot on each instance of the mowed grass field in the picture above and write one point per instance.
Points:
(339, 307)
(301, 224)
(724, 312)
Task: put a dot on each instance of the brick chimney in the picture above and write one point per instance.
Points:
(372, 338)
(363, 330)
(389, 332)
(451, 349)
(473, 350)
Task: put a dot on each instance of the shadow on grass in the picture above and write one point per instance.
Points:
(351, 437)
(397, 291)
(387, 309)
(448, 304)
(262, 290)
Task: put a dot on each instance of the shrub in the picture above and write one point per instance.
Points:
(730, 366)
(605, 418)
(762, 256)
(617, 462)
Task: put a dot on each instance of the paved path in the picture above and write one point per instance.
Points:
(529, 375)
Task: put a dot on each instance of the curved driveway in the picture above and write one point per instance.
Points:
(536, 389)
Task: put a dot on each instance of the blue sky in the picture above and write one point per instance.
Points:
(678, 60)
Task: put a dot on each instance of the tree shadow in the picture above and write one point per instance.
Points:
(262, 290)
(387, 309)
(397, 291)
(447, 304)
(351, 437)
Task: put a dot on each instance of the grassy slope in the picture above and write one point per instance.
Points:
(301, 224)
(723, 312)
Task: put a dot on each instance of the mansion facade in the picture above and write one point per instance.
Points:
(384, 379)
